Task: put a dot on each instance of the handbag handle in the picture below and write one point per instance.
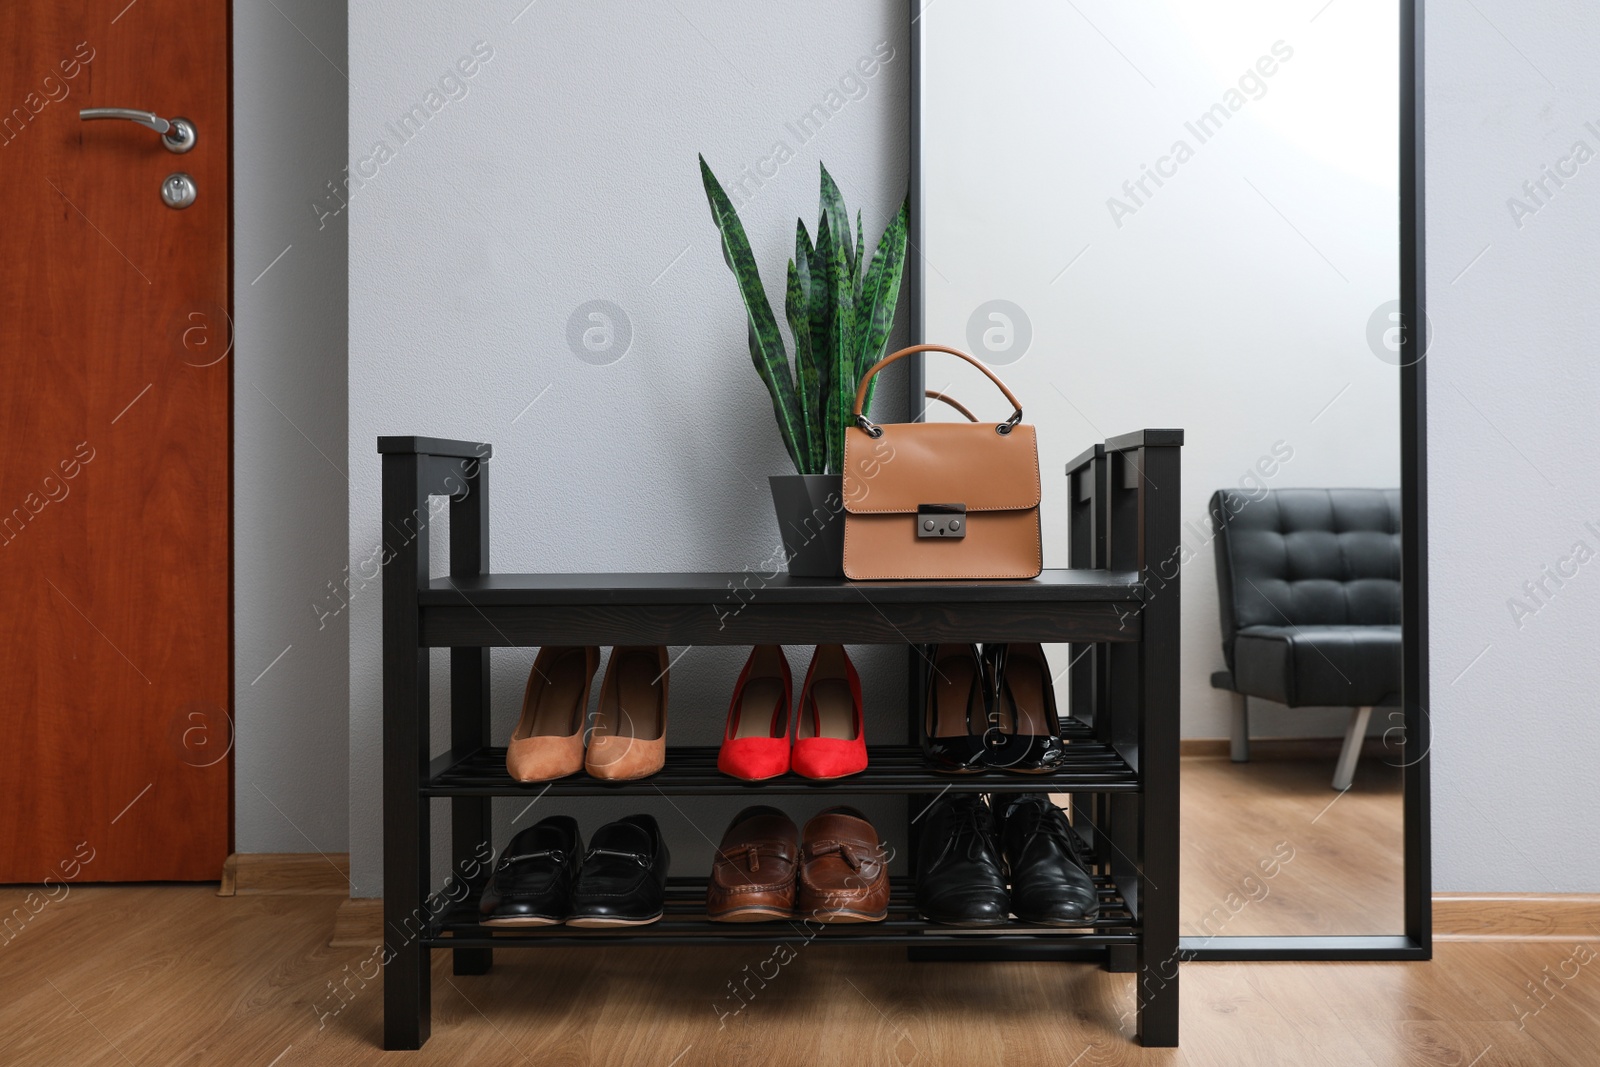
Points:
(934, 394)
(866, 380)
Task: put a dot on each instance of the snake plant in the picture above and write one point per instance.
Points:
(840, 308)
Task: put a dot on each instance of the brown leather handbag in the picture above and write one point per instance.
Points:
(941, 499)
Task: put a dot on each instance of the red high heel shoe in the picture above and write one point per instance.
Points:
(829, 738)
(755, 743)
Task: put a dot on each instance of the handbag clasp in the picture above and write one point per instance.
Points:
(942, 520)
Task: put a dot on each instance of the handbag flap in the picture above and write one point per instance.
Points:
(916, 463)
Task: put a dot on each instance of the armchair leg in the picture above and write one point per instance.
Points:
(1353, 738)
(1239, 742)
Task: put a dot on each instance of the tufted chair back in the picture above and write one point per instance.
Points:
(1306, 557)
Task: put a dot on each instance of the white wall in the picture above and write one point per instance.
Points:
(564, 172)
(290, 494)
(1232, 299)
(1512, 438)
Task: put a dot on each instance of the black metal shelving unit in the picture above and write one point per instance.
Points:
(1117, 604)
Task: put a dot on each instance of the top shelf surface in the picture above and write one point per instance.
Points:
(715, 587)
(746, 608)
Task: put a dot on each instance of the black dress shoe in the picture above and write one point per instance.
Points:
(959, 879)
(624, 877)
(532, 883)
(953, 719)
(1050, 883)
(1024, 734)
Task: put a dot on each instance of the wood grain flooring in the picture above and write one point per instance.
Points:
(1270, 848)
(147, 975)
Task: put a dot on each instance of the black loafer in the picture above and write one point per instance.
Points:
(623, 881)
(1024, 735)
(959, 879)
(954, 716)
(532, 883)
(1050, 883)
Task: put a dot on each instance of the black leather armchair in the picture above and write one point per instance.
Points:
(1308, 581)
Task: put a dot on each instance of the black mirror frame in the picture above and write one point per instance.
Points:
(1416, 942)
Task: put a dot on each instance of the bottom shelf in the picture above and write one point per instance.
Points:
(685, 923)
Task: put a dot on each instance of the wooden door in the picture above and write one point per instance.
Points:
(115, 446)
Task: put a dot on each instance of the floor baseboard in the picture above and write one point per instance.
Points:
(1516, 916)
(1278, 748)
(358, 923)
(285, 873)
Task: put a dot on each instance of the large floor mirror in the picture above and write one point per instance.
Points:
(1193, 215)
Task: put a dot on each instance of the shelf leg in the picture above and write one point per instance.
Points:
(471, 818)
(1158, 550)
(1122, 959)
(406, 980)
(471, 821)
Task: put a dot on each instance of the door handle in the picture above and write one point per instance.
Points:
(177, 134)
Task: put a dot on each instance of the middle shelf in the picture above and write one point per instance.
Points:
(1088, 767)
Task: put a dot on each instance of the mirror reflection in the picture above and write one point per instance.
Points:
(1186, 215)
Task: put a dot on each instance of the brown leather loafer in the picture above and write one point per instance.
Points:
(753, 877)
(843, 874)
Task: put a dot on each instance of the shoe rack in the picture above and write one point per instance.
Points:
(1116, 605)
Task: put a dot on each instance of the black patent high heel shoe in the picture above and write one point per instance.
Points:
(952, 722)
(1024, 728)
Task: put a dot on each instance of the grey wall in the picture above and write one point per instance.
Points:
(567, 174)
(562, 171)
(290, 492)
(1512, 439)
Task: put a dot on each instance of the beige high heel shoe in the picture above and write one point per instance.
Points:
(548, 741)
(630, 728)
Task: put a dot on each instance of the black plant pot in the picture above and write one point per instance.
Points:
(810, 511)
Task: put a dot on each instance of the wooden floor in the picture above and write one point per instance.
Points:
(176, 975)
(1344, 870)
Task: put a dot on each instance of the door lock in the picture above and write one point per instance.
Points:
(178, 191)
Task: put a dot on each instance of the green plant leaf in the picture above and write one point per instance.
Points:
(812, 380)
(797, 309)
(766, 343)
(861, 253)
(840, 340)
(826, 271)
(821, 352)
(880, 294)
(843, 338)
(833, 211)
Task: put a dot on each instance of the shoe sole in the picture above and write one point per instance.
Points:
(1087, 920)
(847, 916)
(974, 923)
(595, 922)
(750, 915)
(523, 920)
